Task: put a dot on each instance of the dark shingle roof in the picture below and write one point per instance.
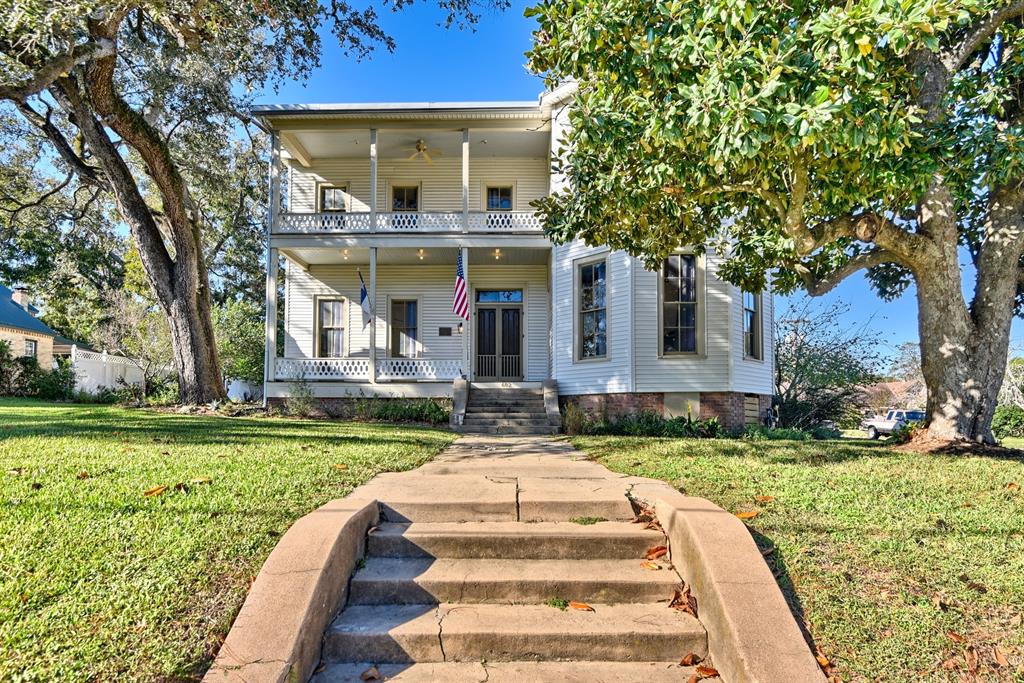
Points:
(13, 315)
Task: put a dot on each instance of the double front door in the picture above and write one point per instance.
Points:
(499, 335)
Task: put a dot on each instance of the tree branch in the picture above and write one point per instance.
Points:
(88, 174)
(48, 73)
(819, 285)
(954, 58)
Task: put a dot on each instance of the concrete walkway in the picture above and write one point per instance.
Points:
(472, 546)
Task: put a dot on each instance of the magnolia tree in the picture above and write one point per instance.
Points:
(138, 100)
(816, 140)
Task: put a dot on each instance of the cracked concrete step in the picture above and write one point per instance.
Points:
(513, 540)
(509, 633)
(507, 414)
(506, 422)
(517, 430)
(512, 672)
(428, 580)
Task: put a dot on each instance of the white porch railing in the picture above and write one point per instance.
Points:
(312, 369)
(407, 221)
(358, 369)
(418, 369)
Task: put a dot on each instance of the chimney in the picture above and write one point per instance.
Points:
(20, 297)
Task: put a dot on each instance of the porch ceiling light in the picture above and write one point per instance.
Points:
(497, 254)
(344, 254)
(420, 253)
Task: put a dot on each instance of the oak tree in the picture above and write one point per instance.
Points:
(131, 94)
(811, 140)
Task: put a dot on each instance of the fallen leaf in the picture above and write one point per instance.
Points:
(707, 671)
(689, 660)
(951, 663)
(973, 585)
(749, 514)
(684, 601)
(764, 499)
(83, 475)
(581, 606)
(1013, 486)
(956, 637)
(822, 660)
(693, 679)
(971, 659)
(653, 566)
(940, 602)
(16, 471)
(202, 480)
(340, 466)
(371, 674)
(1000, 658)
(656, 552)
(155, 491)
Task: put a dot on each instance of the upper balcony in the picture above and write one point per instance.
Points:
(409, 168)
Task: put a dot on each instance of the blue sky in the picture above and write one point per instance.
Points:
(434, 64)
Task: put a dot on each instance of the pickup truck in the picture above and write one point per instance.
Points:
(879, 424)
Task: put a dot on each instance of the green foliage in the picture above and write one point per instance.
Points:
(557, 603)
(762, 433)
(821, 363)
(1008, 422)
(642, 423)
(905, 432)
(22, 376)
(425, 410)
(241, 339)
(301, 401)
(587, 521)
(57, 384)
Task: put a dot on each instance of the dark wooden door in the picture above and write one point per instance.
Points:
(511, 343)
(486, 343)
(499, 343)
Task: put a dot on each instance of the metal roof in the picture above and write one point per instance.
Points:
(13, 315)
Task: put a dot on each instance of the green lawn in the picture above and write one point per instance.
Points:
(883, 552)
(99, 582)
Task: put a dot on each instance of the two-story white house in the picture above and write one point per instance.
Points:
(391, 195)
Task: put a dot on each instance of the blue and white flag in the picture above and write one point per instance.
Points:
(364, 302)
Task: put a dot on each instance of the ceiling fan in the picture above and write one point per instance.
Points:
(423, 153)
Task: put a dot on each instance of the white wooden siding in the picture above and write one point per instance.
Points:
(432, 286)
(440, 183)
(749, 375)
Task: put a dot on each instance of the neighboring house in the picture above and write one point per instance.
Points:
(19, 327)
(397, 192)
(905, 394)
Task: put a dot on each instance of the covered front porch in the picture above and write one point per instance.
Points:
(415, 345)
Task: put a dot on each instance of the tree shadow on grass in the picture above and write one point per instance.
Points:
(777, 564)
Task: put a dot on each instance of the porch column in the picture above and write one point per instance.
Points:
(373, 179)
(465, 180)
(373, 308)
(274, 195)
(467, 328)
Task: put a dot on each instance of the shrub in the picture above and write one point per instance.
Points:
(574, 420)
(905, 432)
(426, 410)
(762, 433)
(643, 423)
(1008, 421)
(301, 401)
(54, 385)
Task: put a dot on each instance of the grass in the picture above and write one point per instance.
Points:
(557, 603)
(883, 553)
(587, 521)
(100, 583)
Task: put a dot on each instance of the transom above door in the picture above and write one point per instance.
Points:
(499, 334)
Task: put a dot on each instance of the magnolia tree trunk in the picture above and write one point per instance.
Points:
(192, 340)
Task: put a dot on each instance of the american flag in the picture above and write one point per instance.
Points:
(460, 306)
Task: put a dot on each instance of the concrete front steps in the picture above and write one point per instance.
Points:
(465, 601)
(506, 411)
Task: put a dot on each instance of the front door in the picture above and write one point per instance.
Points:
(499, 341)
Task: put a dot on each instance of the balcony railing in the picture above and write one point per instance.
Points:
(358, 369)
(408, 222)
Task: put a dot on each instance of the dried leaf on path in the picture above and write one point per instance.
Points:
(656, 552)
(652, 566)
(763, 499)
(581, 606)
(155, 491)
(748, 514)
(1000, 657)
(371, 674)
(684, 601)
(691, 659)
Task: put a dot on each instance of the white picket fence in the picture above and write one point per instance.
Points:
(93, 371)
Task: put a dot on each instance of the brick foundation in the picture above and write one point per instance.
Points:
(728, 407)
(344, 407)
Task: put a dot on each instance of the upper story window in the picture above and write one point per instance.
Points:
(752, 325)
(330, 328)
(31, 348)
(499, 198)
(593, 313)
(405, 198)
(332, 197)
(404, 328)
(679, 304)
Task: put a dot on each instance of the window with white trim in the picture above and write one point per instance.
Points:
(593, 312)
(404, 328)
(752, 325)
(499, 198)
(330, 325)
(405, 198)
(31, 348)
(333, 198)
(679, 304)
